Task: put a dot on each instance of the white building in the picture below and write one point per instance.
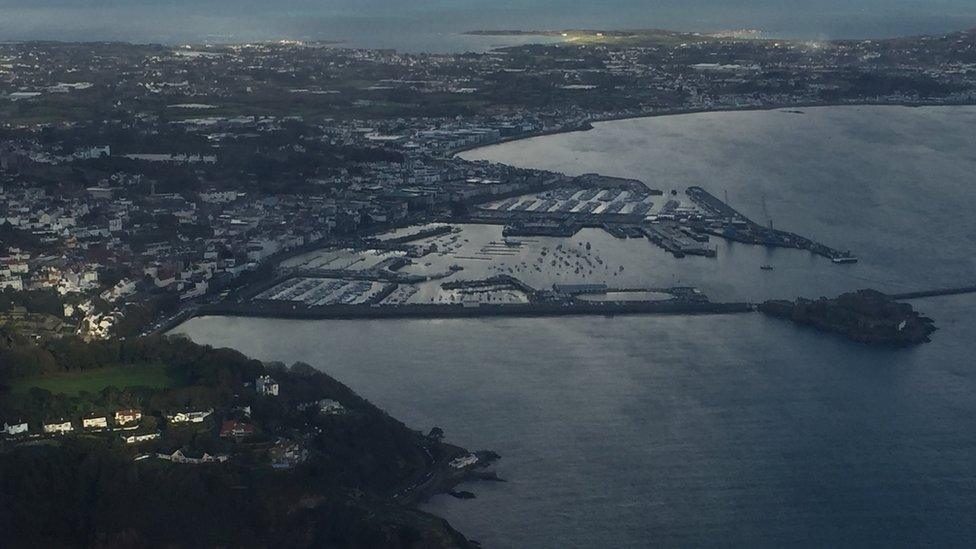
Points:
(94, 422)
(464, 461)
(58, 427)
(93, 152)
(266, 386)
(188, 417)
(15, 429)
(132, 439)
(325, 406)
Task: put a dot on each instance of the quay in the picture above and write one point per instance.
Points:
(737, 227)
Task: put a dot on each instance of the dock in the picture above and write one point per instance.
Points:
(726, 222)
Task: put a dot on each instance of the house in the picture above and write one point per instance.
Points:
(179, 457)
(124, 417)
(188, 417)
(59, 427)
(15, 429)
(325, 406)
(99, 422)
(286, 457)
(236, 429)
(266, 386)
(463, 461)
(133, 439)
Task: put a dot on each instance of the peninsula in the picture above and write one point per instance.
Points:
(141, 442)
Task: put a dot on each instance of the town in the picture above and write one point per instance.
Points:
(138, 182)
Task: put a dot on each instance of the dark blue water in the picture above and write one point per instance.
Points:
(433, 25)
(681, 431)
(686, 431)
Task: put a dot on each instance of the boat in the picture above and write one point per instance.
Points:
(845, 259)
(513, 242)
(766, 267)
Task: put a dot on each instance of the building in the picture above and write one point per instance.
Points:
(188, 417)
(576, 289)
(286, 457)
(15, 429)
(59, 427)
(266, 386)
(325, 406)
(99, 422)
(464, 461)
(179, 457)
(133, 439)
(236, 429)
(124, 417)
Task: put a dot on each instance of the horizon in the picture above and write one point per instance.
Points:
(434, 26)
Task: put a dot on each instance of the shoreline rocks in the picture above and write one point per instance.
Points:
(866, 316)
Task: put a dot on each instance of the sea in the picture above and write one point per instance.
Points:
(438, 25)
(709, 430)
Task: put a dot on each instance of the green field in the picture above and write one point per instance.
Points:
(154, 376)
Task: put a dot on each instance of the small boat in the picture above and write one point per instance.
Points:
(767, 267)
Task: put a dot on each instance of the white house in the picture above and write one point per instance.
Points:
(58, 428)
(188, 417)
(15, 429)
(94, 422)
(464, 461)
(132, 439)
(266, 386)
(325, 406)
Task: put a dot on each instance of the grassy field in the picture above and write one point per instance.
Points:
(151, 375)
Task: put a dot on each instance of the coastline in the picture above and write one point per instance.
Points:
(249, 309)
(588, 125)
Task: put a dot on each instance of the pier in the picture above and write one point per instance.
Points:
(727, 222)
(934, 293)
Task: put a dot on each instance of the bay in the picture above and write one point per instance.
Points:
(707, 430)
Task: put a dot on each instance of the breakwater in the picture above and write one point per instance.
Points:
(612, 308)
(934, 293)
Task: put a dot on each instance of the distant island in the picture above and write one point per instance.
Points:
(632, 37)
(867, 316)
